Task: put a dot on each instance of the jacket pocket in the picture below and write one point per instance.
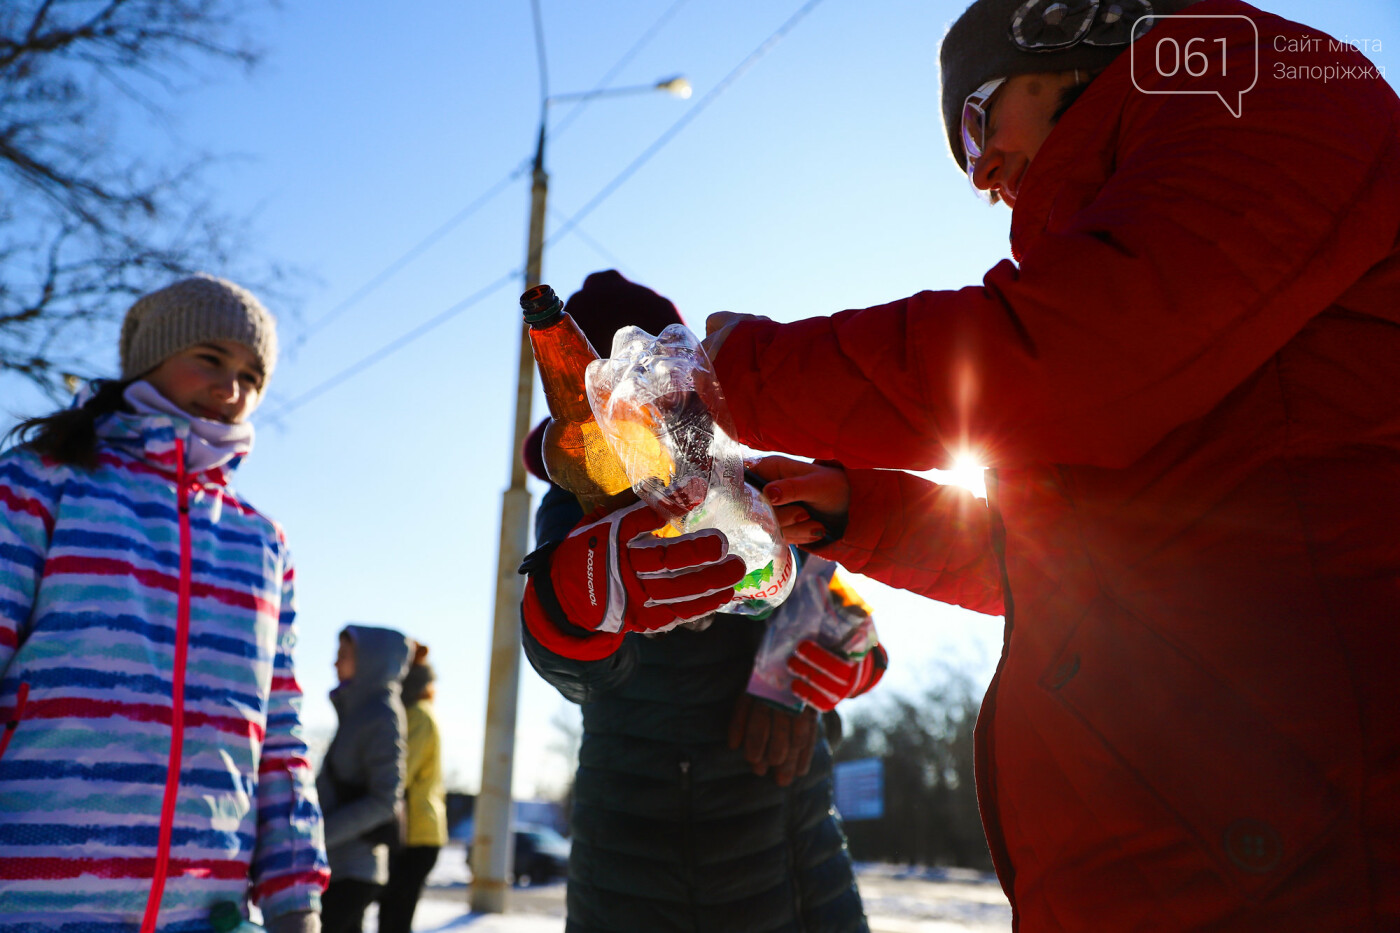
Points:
(1257, 804)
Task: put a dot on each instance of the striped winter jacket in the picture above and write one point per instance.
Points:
(155, 763)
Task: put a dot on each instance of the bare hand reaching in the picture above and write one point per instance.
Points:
(718, 327)
(811, 500)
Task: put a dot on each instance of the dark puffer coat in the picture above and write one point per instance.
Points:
(671, 830)
(362, 775)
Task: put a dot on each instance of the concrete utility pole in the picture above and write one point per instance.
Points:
(494, 843)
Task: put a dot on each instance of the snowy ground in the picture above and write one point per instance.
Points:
(897, 900)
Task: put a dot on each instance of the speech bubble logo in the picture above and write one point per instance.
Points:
(1206, 64)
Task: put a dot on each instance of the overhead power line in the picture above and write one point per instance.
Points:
(570, 225)
(616, 69)
(393, 346)
(422, 246)
(685, 120)
(413, 253)
(597, 247)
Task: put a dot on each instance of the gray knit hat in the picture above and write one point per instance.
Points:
(192, 311)
(1003, 38)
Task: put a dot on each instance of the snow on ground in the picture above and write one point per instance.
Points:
(932, 900)
(897, 900)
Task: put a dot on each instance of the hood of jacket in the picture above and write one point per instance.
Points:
(382, 657)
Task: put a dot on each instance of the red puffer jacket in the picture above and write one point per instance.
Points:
(1189, 392)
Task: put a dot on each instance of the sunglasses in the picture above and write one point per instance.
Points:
(974, 132)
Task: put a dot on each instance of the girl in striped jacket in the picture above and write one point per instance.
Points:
(153, 772)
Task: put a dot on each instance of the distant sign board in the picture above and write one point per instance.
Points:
(860, 789)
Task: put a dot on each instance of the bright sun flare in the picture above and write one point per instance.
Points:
(966, 472)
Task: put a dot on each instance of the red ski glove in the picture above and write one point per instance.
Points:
(824, 679)
(612, 575)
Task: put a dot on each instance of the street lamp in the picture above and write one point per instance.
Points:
(677, 86)
(492, 843)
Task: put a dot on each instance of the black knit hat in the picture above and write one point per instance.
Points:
(1003, 38)
(608, 302)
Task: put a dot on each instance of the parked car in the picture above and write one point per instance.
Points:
(541, 854)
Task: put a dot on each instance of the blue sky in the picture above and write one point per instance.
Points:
(818, 180)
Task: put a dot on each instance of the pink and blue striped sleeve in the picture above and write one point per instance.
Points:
(289, 864)
(28, 501)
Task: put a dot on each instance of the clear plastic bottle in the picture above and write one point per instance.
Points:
(661, 409)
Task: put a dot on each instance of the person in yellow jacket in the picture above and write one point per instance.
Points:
(425, 801)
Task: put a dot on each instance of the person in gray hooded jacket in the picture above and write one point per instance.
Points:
(362, 775)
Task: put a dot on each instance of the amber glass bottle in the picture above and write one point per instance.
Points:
(576, 454)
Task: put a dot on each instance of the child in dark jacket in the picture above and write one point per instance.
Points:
(696, 808)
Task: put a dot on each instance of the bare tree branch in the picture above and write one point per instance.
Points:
(86, 224)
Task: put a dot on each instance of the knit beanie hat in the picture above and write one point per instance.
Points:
(191, 311)
(607, 303)
(1004, 38)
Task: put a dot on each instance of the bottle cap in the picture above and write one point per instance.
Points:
(540, 304)
(225, 917)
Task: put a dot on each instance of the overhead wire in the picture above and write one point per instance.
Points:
(413, 253)
(570, 225)
(577, 108)
(422, 246)
(392, 347)
(597, 247)
(684, 121)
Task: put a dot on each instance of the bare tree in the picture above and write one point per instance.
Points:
(926, 744)
(89, 219)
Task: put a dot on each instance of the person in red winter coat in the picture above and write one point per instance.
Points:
(1185, 389)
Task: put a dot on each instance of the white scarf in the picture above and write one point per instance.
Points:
(211, 443)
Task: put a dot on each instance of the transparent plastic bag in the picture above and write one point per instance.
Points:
(822, 608)
(661, 409)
